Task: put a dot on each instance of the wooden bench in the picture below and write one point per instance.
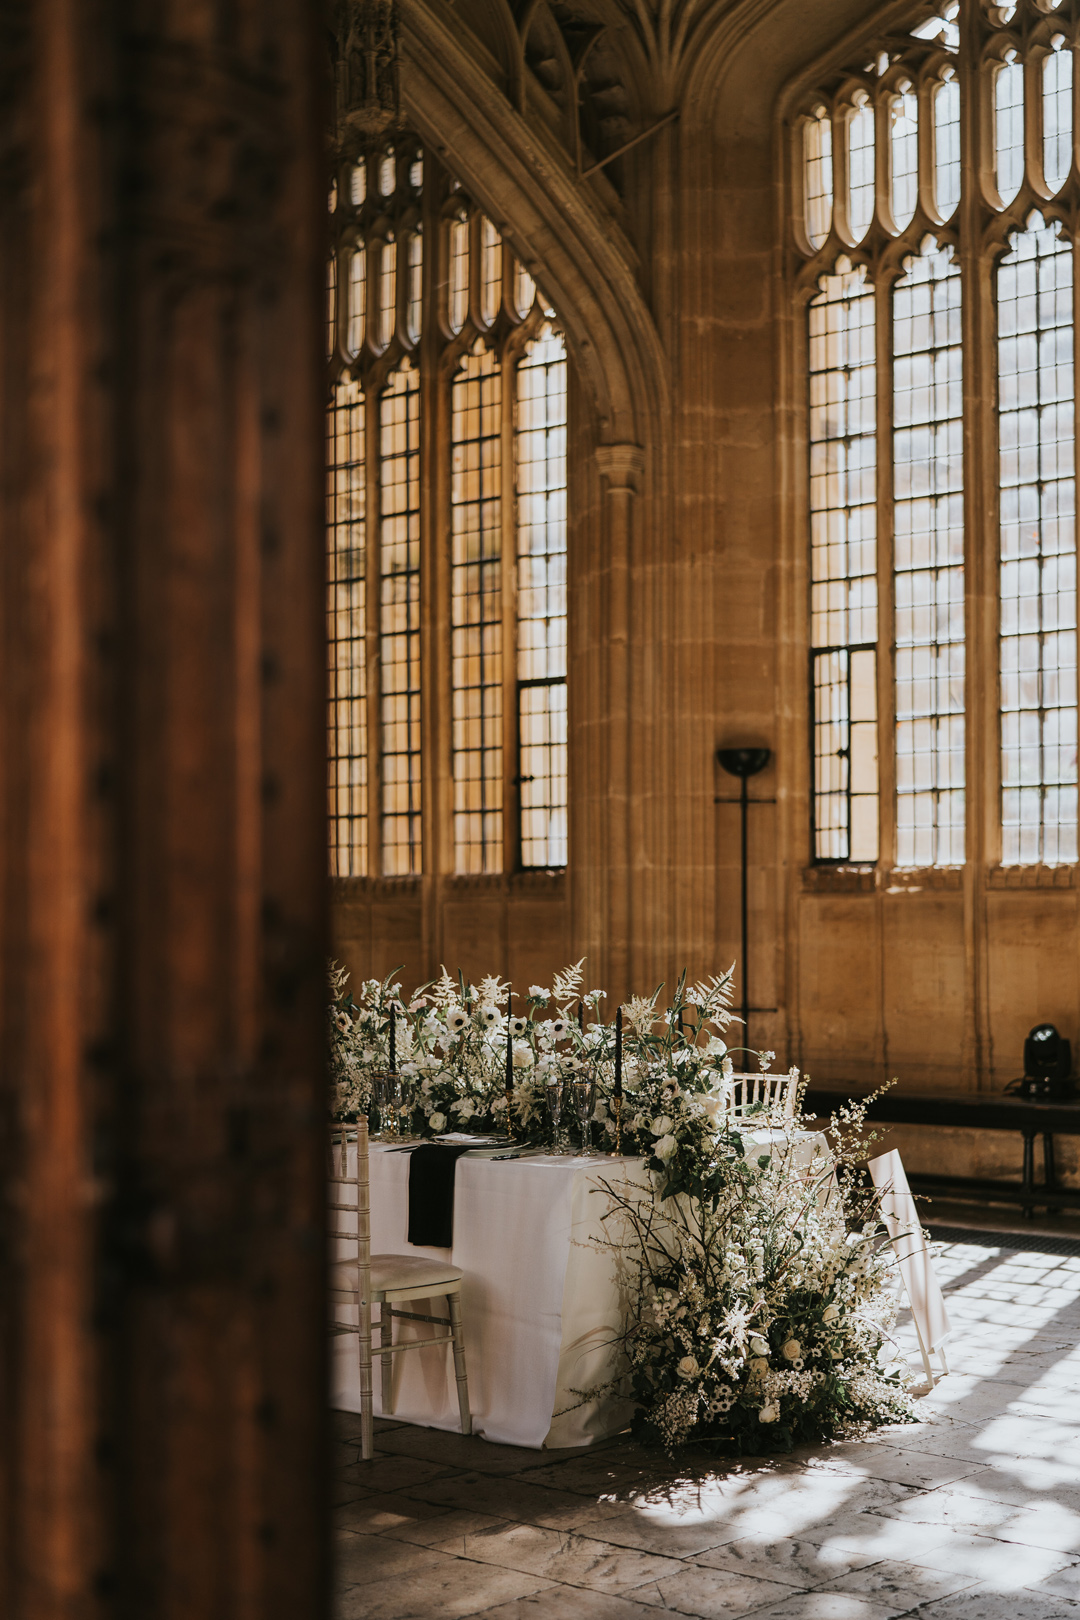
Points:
(979, 1111)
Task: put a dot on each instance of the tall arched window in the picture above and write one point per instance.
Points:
(942, 518)
(446, 484)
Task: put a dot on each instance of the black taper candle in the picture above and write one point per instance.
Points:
(509, 1045)
(581, 1016)
(618, 1052)
(393, 1039)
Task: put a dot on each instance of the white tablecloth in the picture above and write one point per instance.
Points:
(540, 1300)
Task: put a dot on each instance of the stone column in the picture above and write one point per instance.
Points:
(622, 469)
(162, 813)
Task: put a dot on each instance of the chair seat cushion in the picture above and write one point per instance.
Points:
(391, 1273)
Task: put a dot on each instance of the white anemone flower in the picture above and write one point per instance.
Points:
(456, 1019)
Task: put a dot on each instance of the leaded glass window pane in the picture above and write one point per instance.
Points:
(1038, 550)
(843, 518)
(476, 593)
(928, 488)
(399, 620)
(540, 456)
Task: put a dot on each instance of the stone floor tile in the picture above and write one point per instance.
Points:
(381, 1512)
(946, 1437)
(383, 1474)
(601, 1476)
(826, 1604)
(998, 1563)
(344, 1495)
(712, 1594)
(562, 1556)
(346, 1425)
(909, 1467)
(987, 1603)
(1014, 1482)
(451, 1450)
(672, 1535)
(508, 1499)
(359, 1558)
(906, 1584)
(447, 1532)
(571, 1603)
(875, 1535)
(1050, 1524)
(1064, 1583)
(449, 1589)
(796, 1563)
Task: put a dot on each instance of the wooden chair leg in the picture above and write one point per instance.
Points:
(367, 1394)
(386, 1338)
(457, 1332)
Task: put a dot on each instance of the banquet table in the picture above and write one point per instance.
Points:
(541, 1301)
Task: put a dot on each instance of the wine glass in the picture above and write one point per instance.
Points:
(584, 1089)
(554, 1088)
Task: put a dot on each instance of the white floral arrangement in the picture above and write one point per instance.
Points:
(759, 1302)
(761, 1319)
(359, 1040)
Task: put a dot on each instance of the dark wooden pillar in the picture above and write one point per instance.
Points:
(162, 826)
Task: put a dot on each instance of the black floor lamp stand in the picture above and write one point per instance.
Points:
(744, 763)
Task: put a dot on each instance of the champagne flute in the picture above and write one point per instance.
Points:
(388, 1115)
(554, 1088)
(584, 1089)
(379, 1089)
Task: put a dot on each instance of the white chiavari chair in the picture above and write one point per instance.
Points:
(386, 1280)
(765, 1096)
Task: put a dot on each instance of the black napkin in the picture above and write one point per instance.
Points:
(432, 1169)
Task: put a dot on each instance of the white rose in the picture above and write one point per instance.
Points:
(464, 1107)
(758, 1345)
(522, 1055)
(437, 1122)
(792, 1350)
(769, 1414)
(688, 1367)
(665, 1148)
(829, 1315)
(661, 1125)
